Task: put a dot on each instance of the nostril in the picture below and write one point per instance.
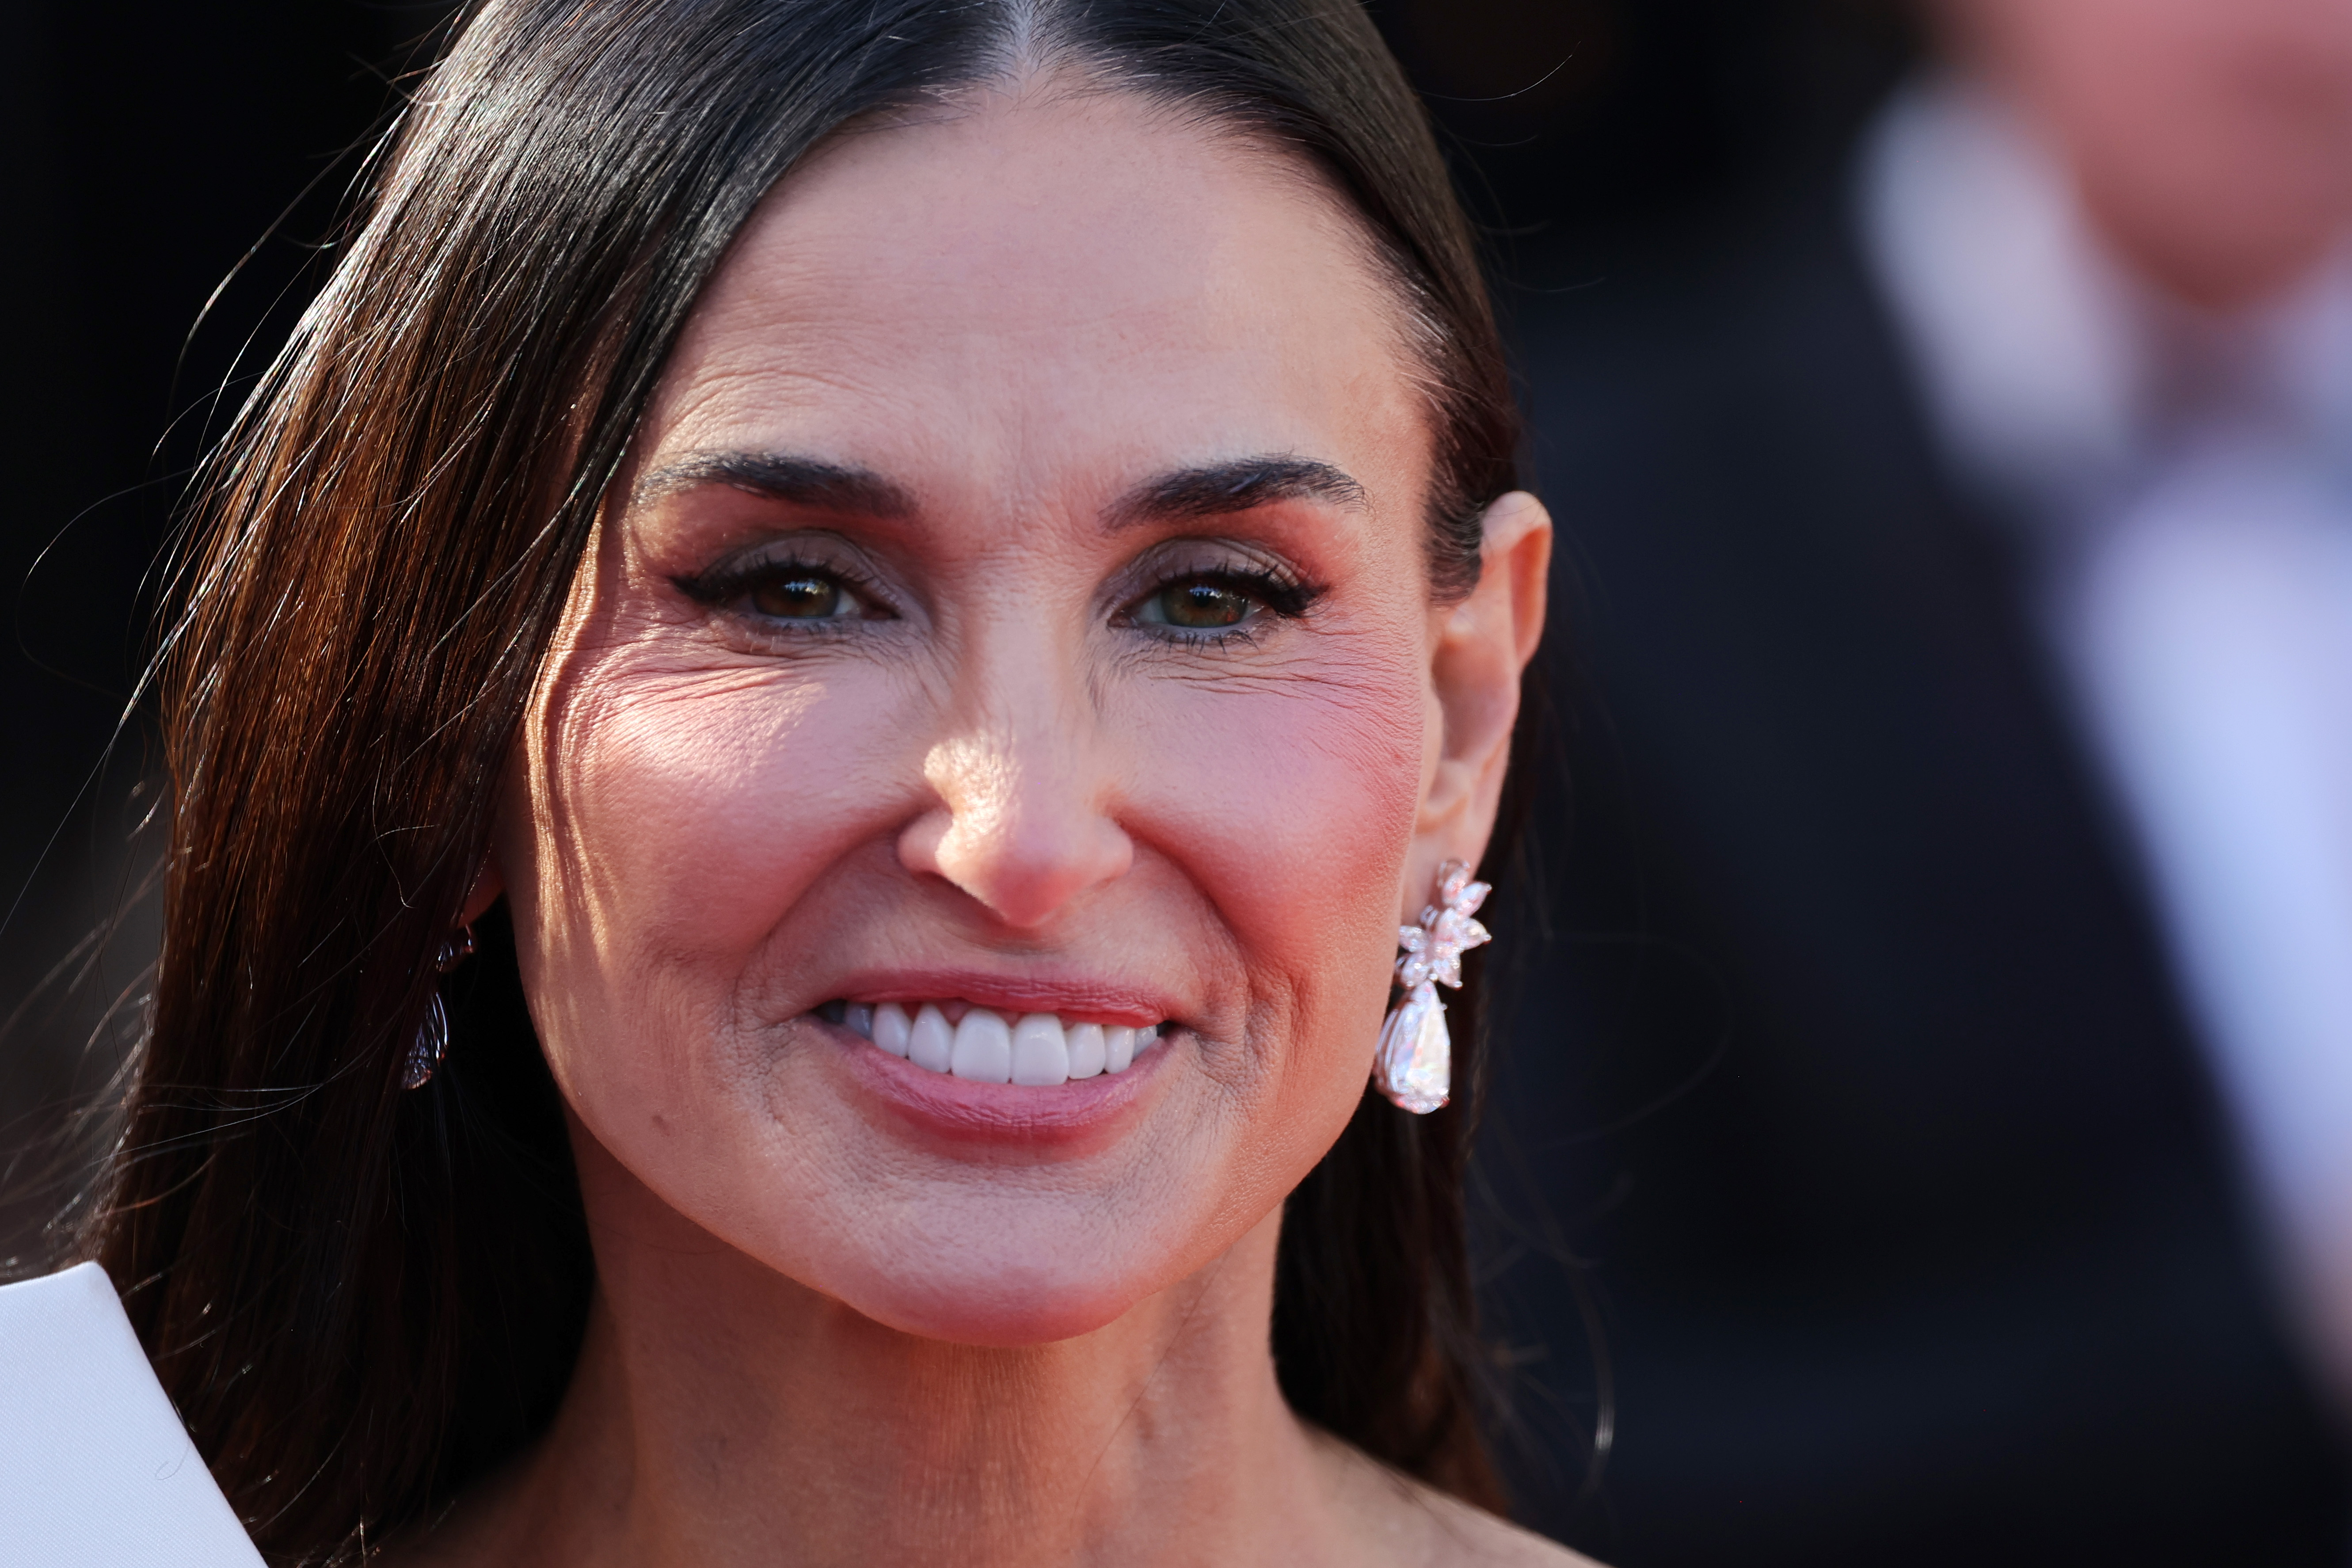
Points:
(919, 842)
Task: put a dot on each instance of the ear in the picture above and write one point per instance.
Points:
(1480, 645)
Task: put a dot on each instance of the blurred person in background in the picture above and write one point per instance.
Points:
(1957, 615)
(2119, 248)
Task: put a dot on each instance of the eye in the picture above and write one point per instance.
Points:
(1198, 604)
(801, 595)
(788, 590)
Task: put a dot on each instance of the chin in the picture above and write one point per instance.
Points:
(1003, 1296)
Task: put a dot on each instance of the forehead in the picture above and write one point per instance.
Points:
(1045, 277)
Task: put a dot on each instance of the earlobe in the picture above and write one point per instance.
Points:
(489, 885)
(1483, 644)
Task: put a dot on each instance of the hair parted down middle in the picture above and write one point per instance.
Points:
(362, 1300)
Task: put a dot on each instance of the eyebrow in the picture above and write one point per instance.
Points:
(1212, 489)
(783, 475)
(1217, 490)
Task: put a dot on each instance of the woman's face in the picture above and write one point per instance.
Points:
(1016, 607)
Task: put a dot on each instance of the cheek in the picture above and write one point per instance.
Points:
(676, 818)
(1291, 804)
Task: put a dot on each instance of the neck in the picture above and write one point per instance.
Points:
(722, 1413)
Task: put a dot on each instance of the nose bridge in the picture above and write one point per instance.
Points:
(1017, 722)
(1026, 822)
(1003, 771)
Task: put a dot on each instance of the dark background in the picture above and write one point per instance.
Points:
(150, 148)
(156, 150)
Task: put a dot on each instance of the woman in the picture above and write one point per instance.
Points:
(807, 709)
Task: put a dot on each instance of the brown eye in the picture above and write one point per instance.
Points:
(800, 596)
(1198, 606)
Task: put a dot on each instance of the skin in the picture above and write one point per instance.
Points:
(831, 1328)
(2208, 138)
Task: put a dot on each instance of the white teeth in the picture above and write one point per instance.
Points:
(1086, 1043)
(930, 1042)
(1038, 1050)
(984, 1048)
(1040, 1055)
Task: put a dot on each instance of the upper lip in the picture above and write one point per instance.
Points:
(1092, 998)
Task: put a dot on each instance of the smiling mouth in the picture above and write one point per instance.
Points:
(1036, 1049)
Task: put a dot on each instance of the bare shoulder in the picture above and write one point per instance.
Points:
(1401, 1522)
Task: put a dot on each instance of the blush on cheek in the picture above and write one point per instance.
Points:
(1310, 896)
(712, 801)
(677, 815)
(1245, 764)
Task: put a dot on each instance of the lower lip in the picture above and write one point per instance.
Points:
(1064, 1119)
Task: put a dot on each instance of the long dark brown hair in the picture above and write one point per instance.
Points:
(360, 1299)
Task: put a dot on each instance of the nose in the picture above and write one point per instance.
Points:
(1023, 823)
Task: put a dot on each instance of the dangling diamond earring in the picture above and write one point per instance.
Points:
(1414, 1067)
(432, 1042)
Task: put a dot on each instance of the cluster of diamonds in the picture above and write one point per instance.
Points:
(1434, 949)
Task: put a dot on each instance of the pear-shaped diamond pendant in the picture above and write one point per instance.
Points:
(1414, 1065)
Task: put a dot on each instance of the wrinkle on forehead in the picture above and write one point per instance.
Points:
(1042, 143)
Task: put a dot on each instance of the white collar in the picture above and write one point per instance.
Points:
(94, 1463)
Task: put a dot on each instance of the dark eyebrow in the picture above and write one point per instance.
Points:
(1219, 489)
(785, 475)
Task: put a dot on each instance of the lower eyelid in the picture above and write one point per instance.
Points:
(1259, 623)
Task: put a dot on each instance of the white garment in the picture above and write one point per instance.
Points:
(2188, 486)
(96, 1470)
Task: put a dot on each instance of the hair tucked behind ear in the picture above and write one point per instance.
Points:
(363, 1299)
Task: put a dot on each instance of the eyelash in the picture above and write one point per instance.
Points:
(720, 586)
(1283, 597)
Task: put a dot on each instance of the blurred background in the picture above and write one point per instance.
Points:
(1919, 1129)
